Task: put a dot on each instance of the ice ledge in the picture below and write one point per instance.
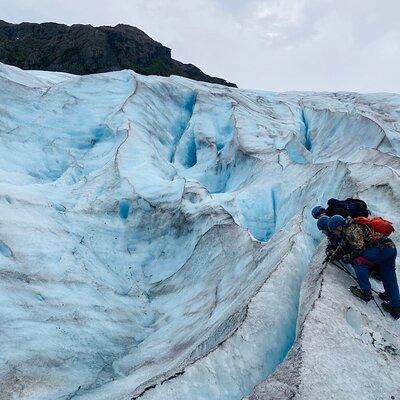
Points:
(362, 364)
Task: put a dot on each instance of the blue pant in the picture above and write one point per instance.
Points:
(385, 259)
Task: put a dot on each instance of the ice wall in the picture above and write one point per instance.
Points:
(155, 232)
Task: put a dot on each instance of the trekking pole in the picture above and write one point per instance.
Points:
(379, 308)
(344, 269)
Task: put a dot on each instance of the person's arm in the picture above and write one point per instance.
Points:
(339, 251)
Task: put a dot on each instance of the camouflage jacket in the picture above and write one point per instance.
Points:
(357, 238)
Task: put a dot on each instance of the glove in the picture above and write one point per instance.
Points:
(329, 258)
(334, 256)
(337, 254)
(329, 251)
(347, 259)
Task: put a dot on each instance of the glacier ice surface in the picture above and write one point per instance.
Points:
(156, 239)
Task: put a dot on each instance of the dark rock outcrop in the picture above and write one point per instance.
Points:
(84, 49)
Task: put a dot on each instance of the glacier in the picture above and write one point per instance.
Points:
(156, 240)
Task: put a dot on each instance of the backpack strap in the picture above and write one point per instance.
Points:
(372, 233)
(364, 222)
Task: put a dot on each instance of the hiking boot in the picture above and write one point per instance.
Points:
(393, 311)
(383, 296)
(375, 275)
(365, 295)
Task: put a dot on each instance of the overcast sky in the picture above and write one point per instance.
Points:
(260, 44)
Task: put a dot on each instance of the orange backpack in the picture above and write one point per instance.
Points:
(376, 224)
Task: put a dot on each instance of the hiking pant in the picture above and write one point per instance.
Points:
(385, 259)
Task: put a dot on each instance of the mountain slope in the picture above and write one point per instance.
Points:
(84, 49)
(156, 239)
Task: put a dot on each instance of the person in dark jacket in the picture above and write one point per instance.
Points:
(319, 211)
(333, 241)
(363, 250)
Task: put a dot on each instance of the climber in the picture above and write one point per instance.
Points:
(333, 241)
(364, 248)
(345, 208)
(319, 211)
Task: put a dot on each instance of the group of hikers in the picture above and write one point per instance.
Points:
(360, 240)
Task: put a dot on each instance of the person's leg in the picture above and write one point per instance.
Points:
(362, 276)
(374, 274)
(363, 270)
(389, 279)
(373, 269)
(385, 258)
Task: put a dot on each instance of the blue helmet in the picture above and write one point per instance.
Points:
(316, 211)
(323, 222)
(335, 222)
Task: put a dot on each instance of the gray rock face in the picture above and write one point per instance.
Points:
(84, 49)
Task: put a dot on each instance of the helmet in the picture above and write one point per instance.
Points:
(335, 222)
(316, 211)
(322, 223)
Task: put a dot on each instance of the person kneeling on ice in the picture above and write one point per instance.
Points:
(333, 241)
(363, 247)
